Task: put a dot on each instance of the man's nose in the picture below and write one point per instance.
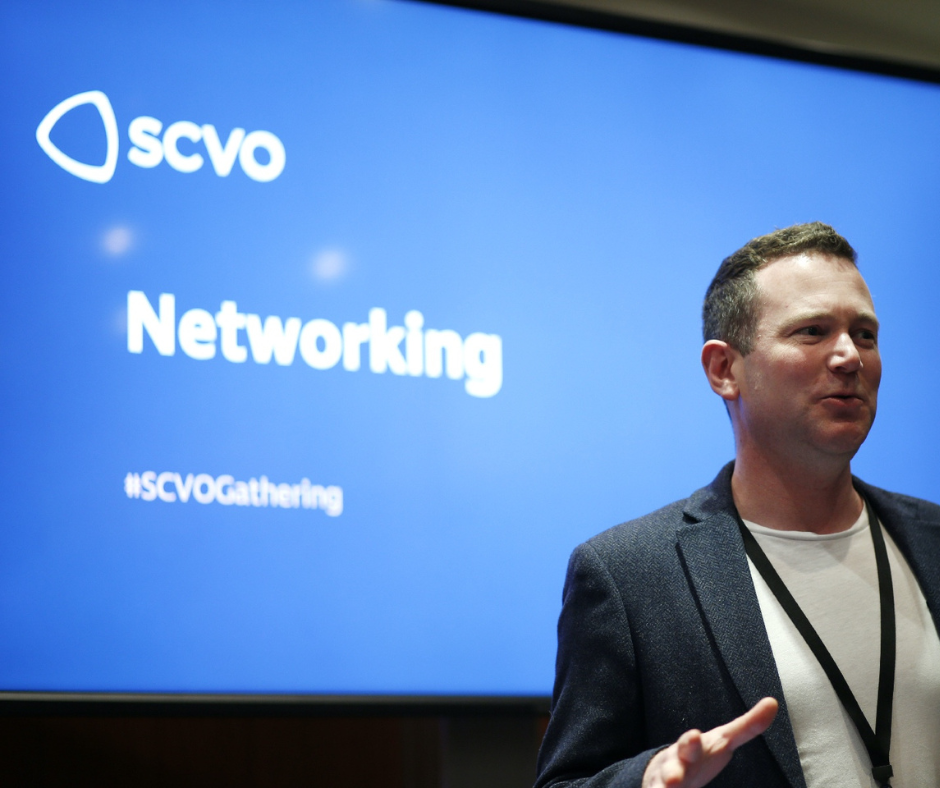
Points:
(845, 356)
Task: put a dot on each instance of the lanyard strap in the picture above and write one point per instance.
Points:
(877, 742)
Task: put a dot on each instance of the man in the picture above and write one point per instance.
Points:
(673, 624)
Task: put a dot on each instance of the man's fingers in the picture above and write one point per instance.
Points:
(695, 759)
(749, 725)
(690, 747)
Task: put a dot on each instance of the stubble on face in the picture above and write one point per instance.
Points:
(809, 386)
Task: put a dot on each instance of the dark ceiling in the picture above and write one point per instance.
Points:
(901, 31)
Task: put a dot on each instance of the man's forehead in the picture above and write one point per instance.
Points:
(812, 286)
(806, 261)
(810, 273)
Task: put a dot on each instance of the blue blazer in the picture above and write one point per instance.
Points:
(660, 631)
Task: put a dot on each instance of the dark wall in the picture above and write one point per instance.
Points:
(496, 751)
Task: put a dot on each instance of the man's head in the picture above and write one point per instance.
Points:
(799, 366)
(731, 307)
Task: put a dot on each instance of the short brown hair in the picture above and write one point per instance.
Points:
(730, 309)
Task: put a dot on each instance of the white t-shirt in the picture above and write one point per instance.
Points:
(834, 579)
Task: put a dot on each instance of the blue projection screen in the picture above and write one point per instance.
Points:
(329, 329)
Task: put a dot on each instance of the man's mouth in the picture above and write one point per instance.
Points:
(847, 399)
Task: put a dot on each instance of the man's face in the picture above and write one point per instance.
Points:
(809, 387)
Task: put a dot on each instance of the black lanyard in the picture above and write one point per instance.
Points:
(877, 742)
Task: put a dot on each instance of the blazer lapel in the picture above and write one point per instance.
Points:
(713, 555)
(716, 564)
(917, 536)
(921, 546)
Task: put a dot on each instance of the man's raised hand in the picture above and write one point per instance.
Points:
(697, 757)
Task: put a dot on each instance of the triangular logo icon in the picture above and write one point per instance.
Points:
(96, 173)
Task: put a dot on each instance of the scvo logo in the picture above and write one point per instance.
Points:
(150, 146)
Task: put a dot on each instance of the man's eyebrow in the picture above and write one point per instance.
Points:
(869, 317)
(861, 317)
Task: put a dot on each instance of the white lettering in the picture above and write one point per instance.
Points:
(275, 337)
(242, 495)
(310, 350)
(197, 333)
(203, 488)
(225, 492)
(172, 135)
(222, 158)
(162, 493)
(414, 321)
(148, 149)
(330, 499)
(143, 131)
(483, 361)
(140, 316)
(276, 156)
(478, 359)
(183, 489)
(384, 352)
(334, 501)
(354, 334)
(148, 483)
(230, 320)
(435, 343)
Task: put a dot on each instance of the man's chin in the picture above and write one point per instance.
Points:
(845, 442)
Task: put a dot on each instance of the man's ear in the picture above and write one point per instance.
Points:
(718, 362)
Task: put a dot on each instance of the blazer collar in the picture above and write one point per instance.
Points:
(716, 566)
(716, 498)
(915, 527)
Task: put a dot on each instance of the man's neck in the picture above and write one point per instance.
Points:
(776, 495)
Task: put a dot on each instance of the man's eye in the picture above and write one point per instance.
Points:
(811, 331)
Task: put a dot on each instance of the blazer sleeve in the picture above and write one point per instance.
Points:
(596, 736)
